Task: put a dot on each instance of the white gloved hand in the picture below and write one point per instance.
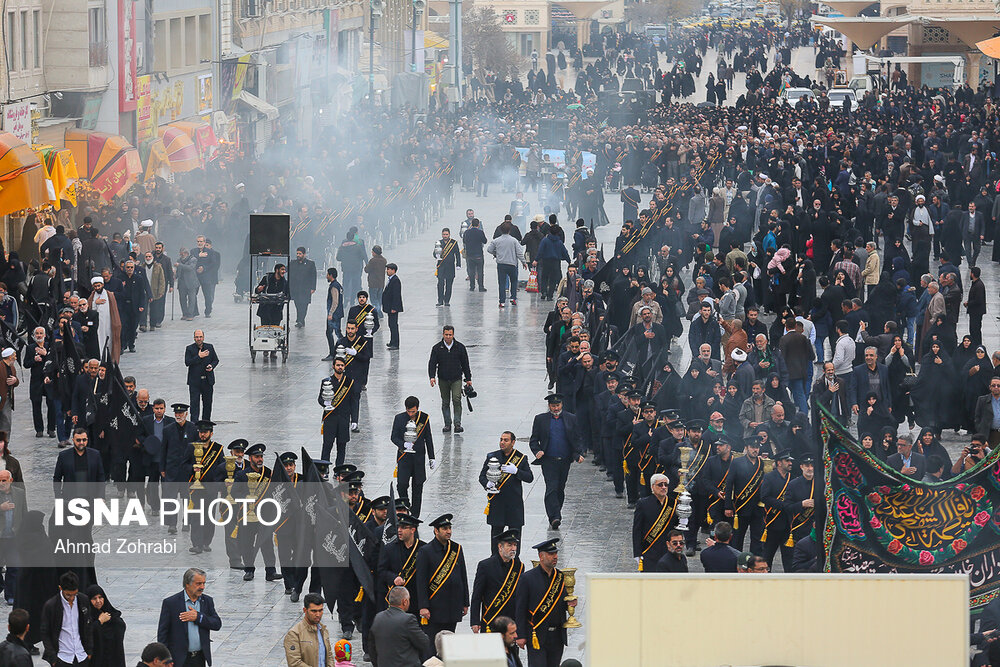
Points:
(491, 487)
(509, 468)
(638, 560)
(350, 352)
(327, 404)
(408, 446)
(432, 463)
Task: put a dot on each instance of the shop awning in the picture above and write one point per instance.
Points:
(181, 151)
(864, 31)
(22, 178)
(990, 47)
(60, 169)
(154, 155)
(110, 162)
(200, 133)
(260, 106)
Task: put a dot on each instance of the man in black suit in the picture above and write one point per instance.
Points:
(861, 381)
(397, 639)
(184, 611)
(652, 518)
(555, 443)
(720, 557)
(973, 233)
(153, 426)
(410, 456)
(66, 471)
(301, 284)
(905, 460)
(449, 258)
(201, 361)
(988, 413)
(207, 268)
(67, 648)
(505, 504)
(35, 356)
(392, 304)
(975, 305)
(496, 586)
(176, 458)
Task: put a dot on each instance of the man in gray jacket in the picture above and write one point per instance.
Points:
(508, 253)
(397, 639)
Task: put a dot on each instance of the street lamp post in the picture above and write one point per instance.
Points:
(418, 9)
(376, 12)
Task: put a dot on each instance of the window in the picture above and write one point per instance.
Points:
(24, 40)
(161, 39)
(176, 43)
(36, 32)
(98, 37)
(205, 36)
(11, 31)
(190, 41)
(532, 16)
(508, 16)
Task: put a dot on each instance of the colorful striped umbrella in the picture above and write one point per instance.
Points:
(181, 151)
(110, 162)
(22, 178)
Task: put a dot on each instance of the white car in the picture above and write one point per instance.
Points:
(791, 96)
(838, 95)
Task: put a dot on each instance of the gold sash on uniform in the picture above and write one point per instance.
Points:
(445, 569)
(505, 594)
(409, 567)
(768, 511)
(721, 486)
(361, 339)
(420, 429)
(206, 464)
(445, 251)
(359, 319)
(505, 476)
(259, 494)
(338, 397)
(545, 606)
(805, 515)
(746, 493)
(659, 526)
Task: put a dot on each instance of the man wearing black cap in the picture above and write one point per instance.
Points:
(376, 525)
(505, 504)
(541, 608)
(410, 456)
(442, 581)
(213, 471)
(360, 311)
(803, 492)
(668, 438)
(177, 458)
(237, 449)
(625, 421)
(701, 450)
(336, 426)
(357, 360)
(254, 537)
(613, 436)
(714, 480)
(743, 494)
(356, 501)
(497, 583)
(285, 536)
(646, 446)
(774, 494)
(604, 391)
(397, 562)
(653, 516)
(555, 444)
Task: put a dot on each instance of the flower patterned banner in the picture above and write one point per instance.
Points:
(881, 521)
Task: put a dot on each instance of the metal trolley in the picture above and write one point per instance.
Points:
(267, 337)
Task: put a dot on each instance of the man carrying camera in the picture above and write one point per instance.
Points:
(450, 362)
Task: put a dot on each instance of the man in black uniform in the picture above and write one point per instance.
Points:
(357, 361)
(337, 412)
(301, 284)
(286, 537)
(410, 456)
(237, 449)
(555, 443)
(176, 459)
(376, 525)
(802, 495)
(669, 437)
(449, 258)
(133, 298)
(442, 581)
(496, 586)
(714, 480)
(397, 562)
(645, 447)
(255, 536)
(213, 471)
(541, 609)
(475, 240)
(653, 516)
(776, 498)
(625, 421)
(613, 437)
(701, 451)
(743, 494)
(360, 311)
(505, 503)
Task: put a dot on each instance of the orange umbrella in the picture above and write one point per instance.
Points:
(200, 133)
(181, 153)
(109, 162)
(22, 178)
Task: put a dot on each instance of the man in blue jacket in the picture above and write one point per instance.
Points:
(555, 442)
(551, 252)
(186, 618)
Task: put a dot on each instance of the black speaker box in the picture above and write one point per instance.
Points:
(553, 133)
(269, 233)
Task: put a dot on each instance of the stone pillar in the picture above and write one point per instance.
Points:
(972, 70)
